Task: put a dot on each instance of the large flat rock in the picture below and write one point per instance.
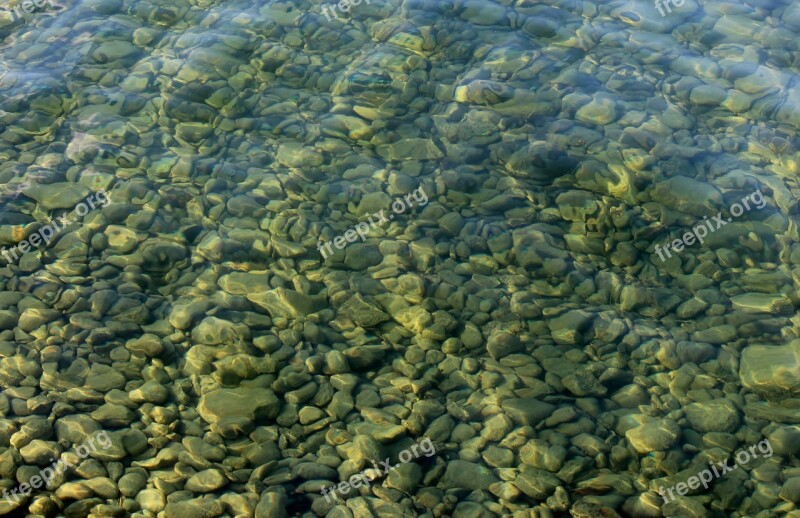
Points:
(250, 403)
(772, 370)
(282, 302)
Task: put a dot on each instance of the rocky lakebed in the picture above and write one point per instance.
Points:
(519, 319)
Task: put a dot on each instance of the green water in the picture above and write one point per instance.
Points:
(466, 258)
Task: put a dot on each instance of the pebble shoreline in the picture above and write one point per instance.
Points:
(520, 320)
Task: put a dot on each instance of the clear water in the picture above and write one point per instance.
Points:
(262, 247)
